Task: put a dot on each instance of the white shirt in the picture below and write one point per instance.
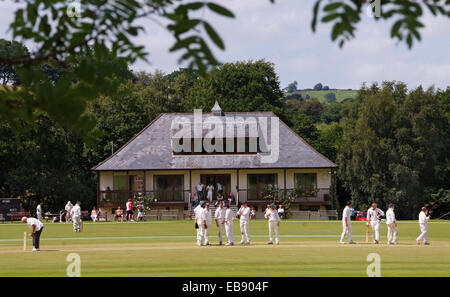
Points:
(206, 216)
(390, 216)
(129, 205)
(229, 216)
(76, 211)
(423, 219)
(35, 222)
(210, 189)
(197, 212)
(272, 215)
(68, 207)
(219, 187)
(372, 214)
(220, 214)
(244, 213)
(346, 214)
(280, 210)
(199, 187)
(39, 209)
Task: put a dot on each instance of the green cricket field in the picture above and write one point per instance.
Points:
(168, 248)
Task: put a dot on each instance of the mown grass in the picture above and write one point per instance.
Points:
(167, 248)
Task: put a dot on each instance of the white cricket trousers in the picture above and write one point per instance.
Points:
(229, 231)
(200, 233)
(76, 223)
(424, 235)
(206, 232)
(375, 230)
(392, 228)
(346, 230)
(273, 228)
(220, 231)
(245, 232)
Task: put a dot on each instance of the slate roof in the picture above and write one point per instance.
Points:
(151, 149)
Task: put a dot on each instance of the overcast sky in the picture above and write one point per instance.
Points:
(281, 33)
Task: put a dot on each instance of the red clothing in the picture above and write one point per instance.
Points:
(129, 205)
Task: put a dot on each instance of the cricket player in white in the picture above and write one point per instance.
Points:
(39, 212)
(391, 224)
(68, 209)
(423, 224)
(36, 230)
(228, 222)
(75, 213)
(209, 190)
(199, 223)
(244, 217)
(374, 215)
(274, 223)
(347, 224)
(220, 218)
(206, 220)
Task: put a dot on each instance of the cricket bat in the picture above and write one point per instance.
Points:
(24, 241)
(367, 233)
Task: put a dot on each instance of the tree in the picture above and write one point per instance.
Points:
(332, 113)
(318, 87)
(79, 43)
(393, 145)
(8, 73)
(326, 88)
(312, 108)
(304, 126)
(329, 140)
(292, 87)
(330, 97)
(48, 165)
(240, 86)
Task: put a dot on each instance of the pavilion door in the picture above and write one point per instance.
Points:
(213, 179)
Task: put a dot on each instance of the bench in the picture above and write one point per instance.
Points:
(17, 216)
(85, 214)
(102, 216)
(152, 214)
(169, 214)
(187, 215)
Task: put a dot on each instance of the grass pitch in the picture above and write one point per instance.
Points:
(167, 248)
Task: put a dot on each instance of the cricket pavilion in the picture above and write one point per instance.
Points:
(246, 152)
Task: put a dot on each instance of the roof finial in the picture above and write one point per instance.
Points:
(216, 110)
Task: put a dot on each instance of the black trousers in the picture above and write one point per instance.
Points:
(36, 238)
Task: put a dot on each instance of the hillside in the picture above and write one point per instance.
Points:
(320, 95)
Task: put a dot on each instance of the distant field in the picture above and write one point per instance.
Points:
(167, 248)
(320, 95)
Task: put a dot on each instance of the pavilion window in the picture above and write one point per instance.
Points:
(169, 187)
(258, 184)
(306, 183)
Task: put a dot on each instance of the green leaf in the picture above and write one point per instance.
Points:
(220, 10)
(332, 6)
(213, 35)
(315, 13)
(396, 27)
(330, 17)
